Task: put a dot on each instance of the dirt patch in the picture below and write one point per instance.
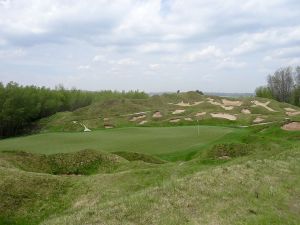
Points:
(174, 120)
(293, 126)
(246, 111)
(231, 103)
(200, 114)
(108, 127)
(258, 120)
(157, 115)
(264, 105)
(135, 118)
(224, 116)
(105, 119)
(178, 111)
(188, 119)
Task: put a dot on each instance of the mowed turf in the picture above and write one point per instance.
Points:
(152, 140)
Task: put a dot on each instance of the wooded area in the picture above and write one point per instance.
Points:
(283, 86)
(20, 105)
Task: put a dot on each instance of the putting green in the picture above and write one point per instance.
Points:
(153, 140)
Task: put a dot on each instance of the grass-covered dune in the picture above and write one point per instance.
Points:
(248, 177)
(176, 168)
(188, 108)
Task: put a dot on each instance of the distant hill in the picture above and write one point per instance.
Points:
(188, 108)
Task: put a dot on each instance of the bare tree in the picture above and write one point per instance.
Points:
(281, 84)
(297, 76)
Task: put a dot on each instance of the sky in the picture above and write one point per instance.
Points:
(149, 45)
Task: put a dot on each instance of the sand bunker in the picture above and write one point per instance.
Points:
(231, 103)
(211, 101)
(183, 104)
(258, 120)
(292, 113)
(108, 126)
(188, 119)
(224, 116)
(85, 128)
(143, 122)
(174, 120)
(265, 105)
(200, 114)
(246, 111)
(135, 118)
(293, 126)
(157, 115)
(289, 109)
(178, 111)
(105, 119)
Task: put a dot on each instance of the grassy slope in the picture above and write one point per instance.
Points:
(117, 112)
(256, 182)
(262, 187)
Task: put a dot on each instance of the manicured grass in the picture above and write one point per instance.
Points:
(155, 141)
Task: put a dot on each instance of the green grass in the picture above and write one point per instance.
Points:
(260, 185)
(153, 141)
(153, 175)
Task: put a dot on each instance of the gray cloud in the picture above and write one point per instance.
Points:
(142, 43)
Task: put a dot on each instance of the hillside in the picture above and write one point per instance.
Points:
(188, 108)
(197, 160)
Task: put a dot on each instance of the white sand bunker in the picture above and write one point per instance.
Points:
(224, 116)
(291, 112)
(212, 101)
(178, 111)
(183, 104)
(290, 109)
(135, 118)
(264, 105)
(174, 120)
(246, 111)
(231, 103)
(200, 114)
(293, 126)
(258, 120)
(157, 114)
(143, 122)
(84, 127)
(188, 119)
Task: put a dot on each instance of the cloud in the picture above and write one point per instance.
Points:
(127, 36)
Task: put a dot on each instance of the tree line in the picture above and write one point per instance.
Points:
(283, 86)
(21, 105)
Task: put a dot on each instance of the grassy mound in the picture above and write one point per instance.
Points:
(134, 156)
(84, 162)
(230, 150)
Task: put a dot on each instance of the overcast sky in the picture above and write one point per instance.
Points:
(150, 45)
